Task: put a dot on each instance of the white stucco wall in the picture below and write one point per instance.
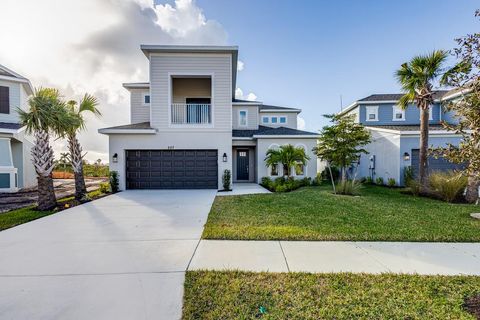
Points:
(222, 142)
(264, 144)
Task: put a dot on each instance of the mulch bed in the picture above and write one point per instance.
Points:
(472, 305)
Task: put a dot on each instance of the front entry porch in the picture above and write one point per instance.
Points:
(244, 159)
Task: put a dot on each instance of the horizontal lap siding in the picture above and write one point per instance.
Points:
(139, 112)
(14, 100)
(218, 64)
(252, 117)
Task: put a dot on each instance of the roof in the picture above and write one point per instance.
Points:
(266, 107)
(432, 127)
(142, 127)
(438, 94)
(136, 85)
(235, 100)
(233, 50)
(8, 74)
(10, 126)
(269, 131)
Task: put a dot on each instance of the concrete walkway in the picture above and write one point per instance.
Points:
(242, 189)
(120, 257)
(319, 256)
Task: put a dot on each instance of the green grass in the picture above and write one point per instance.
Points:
(239, 295)
(19, 216)
(314, 213)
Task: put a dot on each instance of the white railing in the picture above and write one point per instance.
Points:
(191, 113)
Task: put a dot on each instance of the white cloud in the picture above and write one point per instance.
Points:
(93, 46)
(300, 123)
(239, 95)
(240, 65)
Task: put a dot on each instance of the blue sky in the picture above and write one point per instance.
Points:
(307, 53)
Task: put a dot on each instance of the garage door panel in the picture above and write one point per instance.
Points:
(171, 169)
(440, 164)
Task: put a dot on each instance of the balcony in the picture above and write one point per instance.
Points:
(191, 113)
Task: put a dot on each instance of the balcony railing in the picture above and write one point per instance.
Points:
(191, 113)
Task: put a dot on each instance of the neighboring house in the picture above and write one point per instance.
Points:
(187, 127)
(396, 134)
(16, 168)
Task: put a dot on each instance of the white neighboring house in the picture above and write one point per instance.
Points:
(187, 127)
(16, 168)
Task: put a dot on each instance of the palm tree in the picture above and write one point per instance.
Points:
(44, 117)
(288, 156)
(77, 110)
(416, 78)
(64, 159)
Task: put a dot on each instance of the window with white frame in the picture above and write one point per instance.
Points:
(372, 113)
(299, 169)
(242, 118)
(274, 120)
(264, 119)
(398, 113)
(146, 99)
(283, 119)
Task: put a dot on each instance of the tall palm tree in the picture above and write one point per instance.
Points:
(416, 78)
(45, 116)
(88, 104)
(64, 159)
(288, 156)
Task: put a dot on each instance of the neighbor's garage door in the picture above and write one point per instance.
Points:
(440, 164)
(172, 169)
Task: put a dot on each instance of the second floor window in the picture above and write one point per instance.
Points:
(398, 113)
(4, 99)
(242, 118)
(146, 99)
(264, 119)
(283, 120)
(274, 119)
(372, 113)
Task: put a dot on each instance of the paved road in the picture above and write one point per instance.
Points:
(120, 257)
(340, 256)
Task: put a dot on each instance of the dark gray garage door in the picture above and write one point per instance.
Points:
(440, 164)
(172, 169)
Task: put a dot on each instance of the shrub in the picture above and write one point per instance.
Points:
(284, 184)
(414, 186)
(326, 174)
(280, 188)
(447, 185)
(349, 187)
(368, 180)
(391, 182)
(104, 187)
(317, 181)
(379, 181)
(266, 182)
(226, 179)
(307, 181)
(113, 181)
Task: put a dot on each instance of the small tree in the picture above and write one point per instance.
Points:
(465, 76)
(288, 156)
(341, 144)
(226, 179)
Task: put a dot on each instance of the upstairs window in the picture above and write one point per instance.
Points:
(242, 118)
(264, 119)
(274, 119)
(398, 113)
(146, 99)
(4, 99)
(283, 119)
(372, 113)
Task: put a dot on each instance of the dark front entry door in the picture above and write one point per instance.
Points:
(242, 164)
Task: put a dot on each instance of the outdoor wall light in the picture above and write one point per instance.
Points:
(115, 158)
(225, 157)
(406, 156)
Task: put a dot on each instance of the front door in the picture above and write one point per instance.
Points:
(242, 164)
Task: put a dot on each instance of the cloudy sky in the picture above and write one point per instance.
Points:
(302, 54)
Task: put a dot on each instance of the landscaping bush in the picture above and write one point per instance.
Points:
(408, 175)
(349, 187)
(379, 181)
(62, 175)
(447, 185)
(113, 181)
(391, 182)
(104, 187)
(266, 182)
(226, 180)
(282, 184)
(368, 180)
(317, 181)
(414, 186)
(326, 174)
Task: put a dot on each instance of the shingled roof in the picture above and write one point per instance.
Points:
(396, 96)
(268, 131)
(10, 125)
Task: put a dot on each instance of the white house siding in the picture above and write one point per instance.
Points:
(263, 144)
(15, 101)
(386, 149)
(138, 111)
(184, 88)
(291, 119)
(221, 141)
(252, 117)
(163, 66)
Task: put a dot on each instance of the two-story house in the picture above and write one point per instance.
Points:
(187, 128)
(396, 134)
(16, 168)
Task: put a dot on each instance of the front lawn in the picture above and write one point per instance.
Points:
(243, 295)
(314, 213)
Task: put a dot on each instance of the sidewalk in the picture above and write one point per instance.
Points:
(319, 256)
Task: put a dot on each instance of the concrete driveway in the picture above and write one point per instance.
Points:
(120, 257)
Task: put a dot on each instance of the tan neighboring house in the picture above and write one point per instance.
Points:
(187, 128)
(16, 168)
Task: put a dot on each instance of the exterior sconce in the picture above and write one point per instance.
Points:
(225, 157)
(115, 158)
(406, 156)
